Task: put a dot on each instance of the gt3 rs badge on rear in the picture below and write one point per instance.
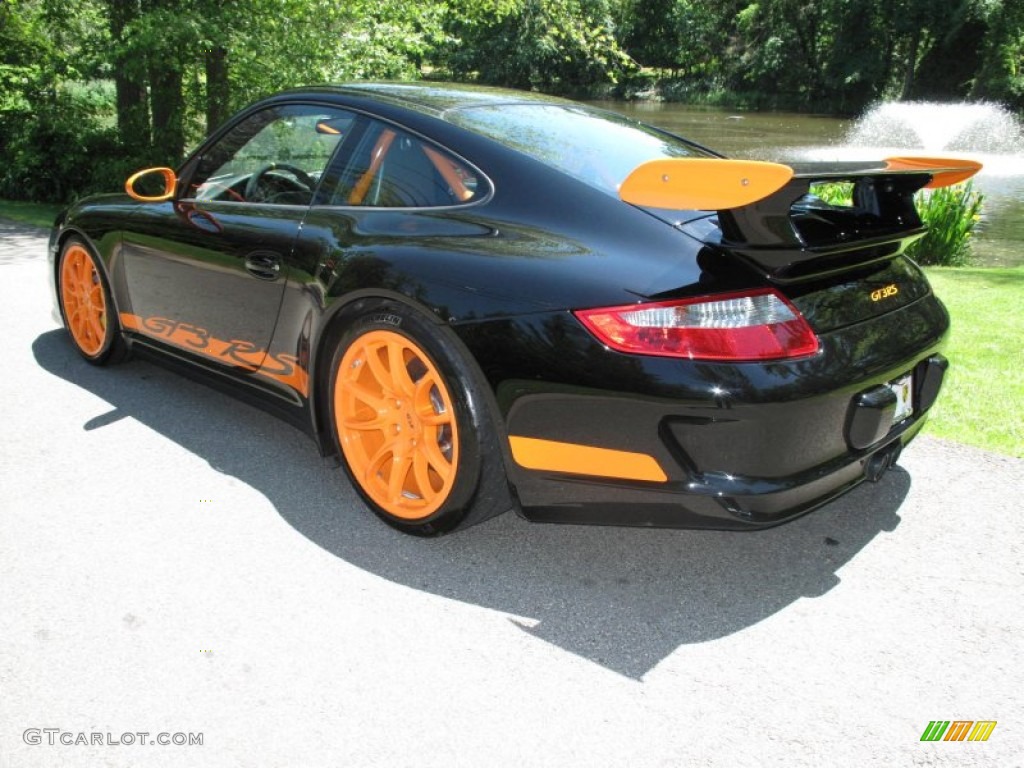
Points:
(885, 293)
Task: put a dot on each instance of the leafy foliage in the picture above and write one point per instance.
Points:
(108, 86)
(554, 45)
(951, 214)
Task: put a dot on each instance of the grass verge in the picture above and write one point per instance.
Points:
(982, 401)
(36, 214)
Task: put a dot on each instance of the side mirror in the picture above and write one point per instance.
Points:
(144, 187)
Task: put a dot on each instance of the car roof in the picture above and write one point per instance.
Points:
(432, 98)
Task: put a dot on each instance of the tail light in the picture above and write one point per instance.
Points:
(753, 325)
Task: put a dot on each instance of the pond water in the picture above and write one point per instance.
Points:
(981, 132)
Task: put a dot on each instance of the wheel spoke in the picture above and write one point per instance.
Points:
(377, 423)
(382, 455)
(421, 471)
(436, 459)
(93, 319)
(83, 270)
(399, 371)
(360, 392)
(379, 370)
(399, 471)
(435, 419)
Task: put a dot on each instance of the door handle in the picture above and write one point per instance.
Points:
(265, 266)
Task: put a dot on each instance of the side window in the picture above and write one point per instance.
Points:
(275, 156)
(390, 168)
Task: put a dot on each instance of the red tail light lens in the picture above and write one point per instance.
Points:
(754, 325)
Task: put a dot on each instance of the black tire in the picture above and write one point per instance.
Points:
(440, 374)
(79, 293)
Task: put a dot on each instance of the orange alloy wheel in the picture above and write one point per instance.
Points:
(396, 424)
(81, 294)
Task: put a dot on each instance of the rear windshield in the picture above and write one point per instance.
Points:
(600, 148)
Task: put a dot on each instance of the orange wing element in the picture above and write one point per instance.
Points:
(706, 184)
(945, 171)
(376, 158)
(553, 456)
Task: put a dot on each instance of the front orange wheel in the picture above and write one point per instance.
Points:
(86, 306)
(396, 424)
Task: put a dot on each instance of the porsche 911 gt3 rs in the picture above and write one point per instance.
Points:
(482, 299)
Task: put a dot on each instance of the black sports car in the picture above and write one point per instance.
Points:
(483, 299)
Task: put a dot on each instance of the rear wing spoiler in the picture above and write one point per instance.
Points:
(766, 215)
(716, 184)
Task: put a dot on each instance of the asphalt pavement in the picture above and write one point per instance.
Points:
(177, 564)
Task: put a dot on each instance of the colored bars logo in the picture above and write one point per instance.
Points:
(958, 730)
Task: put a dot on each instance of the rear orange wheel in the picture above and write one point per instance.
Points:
(396, 424)
(412, 422)
(86, 306)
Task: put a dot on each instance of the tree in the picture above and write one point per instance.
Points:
(559, 45)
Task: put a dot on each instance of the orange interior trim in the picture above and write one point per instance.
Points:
(554, 456)
(945, 171)
(358, 193)
(703, 183)
(447, 170)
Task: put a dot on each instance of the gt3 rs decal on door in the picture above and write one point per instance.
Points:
(278, 366)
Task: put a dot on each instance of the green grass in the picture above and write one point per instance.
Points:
(982, 400)
(36, 214)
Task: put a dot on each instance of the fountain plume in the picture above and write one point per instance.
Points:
(935, 127)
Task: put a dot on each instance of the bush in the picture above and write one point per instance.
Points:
(64, 149)
(950, 213)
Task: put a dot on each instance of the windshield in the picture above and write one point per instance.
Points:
(597, 147)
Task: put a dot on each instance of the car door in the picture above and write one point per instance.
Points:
(206, 272)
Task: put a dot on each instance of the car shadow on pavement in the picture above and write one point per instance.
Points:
(624, 598)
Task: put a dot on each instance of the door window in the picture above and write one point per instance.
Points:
(275, 156)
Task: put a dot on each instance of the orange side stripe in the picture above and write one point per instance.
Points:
(533, 453)
(280, 367)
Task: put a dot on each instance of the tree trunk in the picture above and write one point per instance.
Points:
(168, 106)
(218, 89)
(911, 68)
(132, 108)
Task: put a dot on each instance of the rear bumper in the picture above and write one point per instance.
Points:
(714, 500)
(738, 446)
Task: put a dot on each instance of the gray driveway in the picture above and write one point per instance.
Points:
(172, 561)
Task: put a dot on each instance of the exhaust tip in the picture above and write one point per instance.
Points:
(883, 460)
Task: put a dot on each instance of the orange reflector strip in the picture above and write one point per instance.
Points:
(945, 171)
(533, 453)
(703, 183)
